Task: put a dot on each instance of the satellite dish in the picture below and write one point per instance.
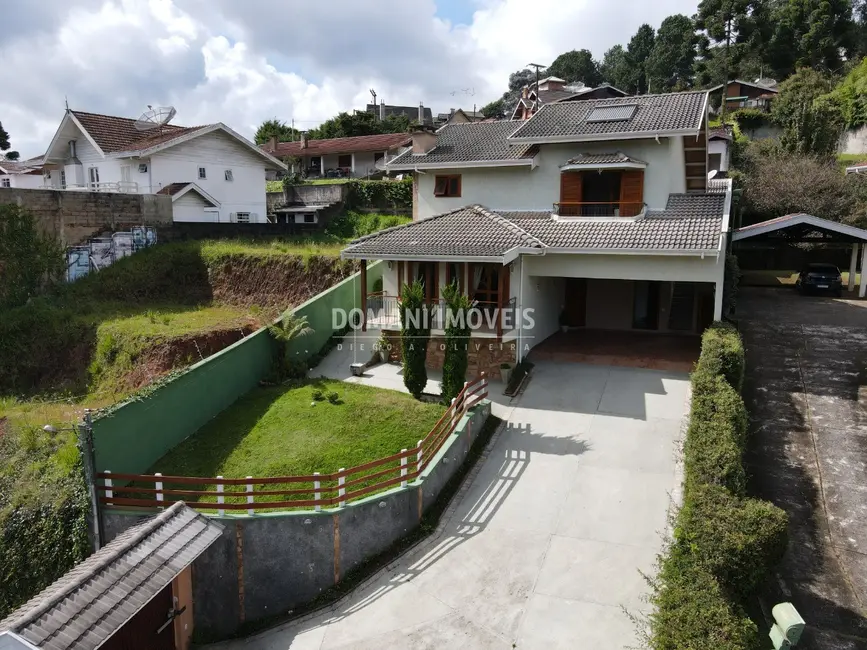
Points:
(154, 118)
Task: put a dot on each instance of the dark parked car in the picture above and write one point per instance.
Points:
(820, 277)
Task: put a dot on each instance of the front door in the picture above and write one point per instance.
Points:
(147, 630)
(575, 305)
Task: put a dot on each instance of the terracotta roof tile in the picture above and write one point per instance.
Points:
(114, 134)
(358, 144)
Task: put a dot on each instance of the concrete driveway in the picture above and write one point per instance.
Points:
(806, 390)
(544, 545)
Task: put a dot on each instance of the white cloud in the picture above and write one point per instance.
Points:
(240, 63)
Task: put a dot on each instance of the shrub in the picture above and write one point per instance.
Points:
(318, 395)
(385, 194)
(737, 540)
(457, 332)
(414, 336)
(29, 260)
(722, 352)
(751, 118)
(711, 456)
(333, 397)
(692, 611)
(351, 225)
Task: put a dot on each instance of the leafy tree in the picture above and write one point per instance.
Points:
(495, 109)
(457, 339)
(347, 125)
(4, 138)
(12, 155)
(615, 68)
(397, 124)
(816, 33)
(811, 119)
(272, 127)
(637, 52)
(414, 336)
(577, 65)
(670, 64)
(851, 96)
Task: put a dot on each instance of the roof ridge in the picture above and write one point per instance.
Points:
(121, 543)
(510, 225)
(127, 119)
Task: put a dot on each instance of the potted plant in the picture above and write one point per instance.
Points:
(563, 320)
(506, 372)
(383, 344)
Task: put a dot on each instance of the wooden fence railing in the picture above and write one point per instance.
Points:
(318, 491)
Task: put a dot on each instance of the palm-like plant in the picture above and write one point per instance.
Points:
(285, 331)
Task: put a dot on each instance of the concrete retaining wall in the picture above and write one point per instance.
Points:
(269, 564)
(74, 217)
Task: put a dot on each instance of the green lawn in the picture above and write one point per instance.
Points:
(275, 431)
(302, 246)
(780, 278)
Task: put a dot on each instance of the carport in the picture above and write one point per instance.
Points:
(807, 229)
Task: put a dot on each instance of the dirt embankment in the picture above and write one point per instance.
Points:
(275, 283)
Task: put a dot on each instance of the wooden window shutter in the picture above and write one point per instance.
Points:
(631, 192)
(571, 187)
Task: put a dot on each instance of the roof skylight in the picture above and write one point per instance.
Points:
(616, 113)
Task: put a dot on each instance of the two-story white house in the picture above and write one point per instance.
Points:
(21, 175)
(211, 172)
(595, 215)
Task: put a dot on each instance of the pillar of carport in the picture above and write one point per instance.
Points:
(853, 267)
(718, 300)
(862, 292)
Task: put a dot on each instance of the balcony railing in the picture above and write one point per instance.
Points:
(598, 209)
(383, 311)
(124, 187)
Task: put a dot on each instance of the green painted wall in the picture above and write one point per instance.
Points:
(133, 436)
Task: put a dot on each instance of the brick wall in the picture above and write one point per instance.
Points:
(484, 354)
(74, 216)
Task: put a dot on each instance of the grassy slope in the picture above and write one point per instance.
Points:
(276, 432)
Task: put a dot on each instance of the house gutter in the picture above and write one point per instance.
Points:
(471, 164)
(632, 135)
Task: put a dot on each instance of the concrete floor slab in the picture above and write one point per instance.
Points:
(545, 544)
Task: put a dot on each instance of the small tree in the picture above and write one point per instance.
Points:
(29, 260)
(414, 336)
(285, 331)
(457, 337)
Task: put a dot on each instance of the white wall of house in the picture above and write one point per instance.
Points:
(676, 268)
(520, 188)
(216, 152)
(22, 181)
(720, 148)
(544, 296)
(191, 207)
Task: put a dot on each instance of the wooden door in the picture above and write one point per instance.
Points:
(631, 193)
(140, 633)
(571, 193)
(576, 302)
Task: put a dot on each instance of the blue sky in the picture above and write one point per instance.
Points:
(459, 12)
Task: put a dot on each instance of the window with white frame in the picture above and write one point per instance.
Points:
(309, 217)
(93, 175)
(142, 168)
(63, 178)
(242, 217)
(5, 182)
(229, 176)
(203, 174)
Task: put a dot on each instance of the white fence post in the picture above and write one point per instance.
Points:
(220, 511)
(159, 487)
(109, 493)
(403, 468)
(418, 458)
(250, 510)
(341, 491)
(316, 492)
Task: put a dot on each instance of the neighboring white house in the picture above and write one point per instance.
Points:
(22, 175)
(719, 144)
(223, 171)
(595, 214)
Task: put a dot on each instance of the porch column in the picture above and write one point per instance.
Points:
(353, 164)
(363, 282)
(718, 300)
(862, 292)
(322, 166)
(853, 267)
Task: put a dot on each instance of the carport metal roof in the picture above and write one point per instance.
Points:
(802, 228)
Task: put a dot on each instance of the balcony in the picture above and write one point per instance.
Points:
(598, 209)
(123, 187)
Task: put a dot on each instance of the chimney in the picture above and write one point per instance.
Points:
(420, 113)
(304, 139)
(451, 112)
(525, 92)
(272, 143)
(381, 110)
(423, 140)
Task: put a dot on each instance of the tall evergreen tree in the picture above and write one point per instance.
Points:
(814, 33)
(272, 127)
(672, 59)
(577, 65)
(4, 138)
(637, 52)
(615, 68)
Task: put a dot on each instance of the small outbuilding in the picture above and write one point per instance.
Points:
(133, 594)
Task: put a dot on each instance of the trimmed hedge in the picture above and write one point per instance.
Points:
(725, 545)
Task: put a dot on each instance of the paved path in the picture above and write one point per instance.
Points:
(805, 390)
(544, 545)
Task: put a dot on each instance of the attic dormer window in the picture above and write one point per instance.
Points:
(615, 113)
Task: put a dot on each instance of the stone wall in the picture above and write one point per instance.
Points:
(74, 216)
(484, 354)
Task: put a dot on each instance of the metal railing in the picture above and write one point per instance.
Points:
(598, 208)
(383, 311)
(252, 494)
(124, 187)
